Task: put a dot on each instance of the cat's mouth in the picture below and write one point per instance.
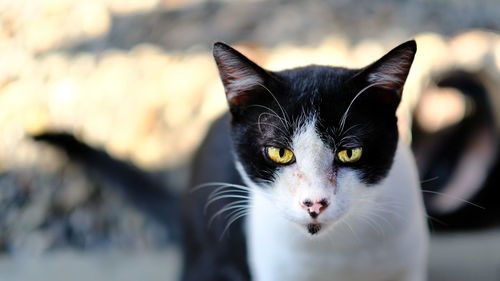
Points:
(313, 228)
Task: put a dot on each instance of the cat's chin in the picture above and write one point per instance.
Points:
(314, 228)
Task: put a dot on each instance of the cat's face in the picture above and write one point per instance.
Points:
(316, 140)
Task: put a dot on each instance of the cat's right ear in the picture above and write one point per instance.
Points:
(241, 77)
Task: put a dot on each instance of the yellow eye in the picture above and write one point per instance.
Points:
(350, 155)
(279, 155)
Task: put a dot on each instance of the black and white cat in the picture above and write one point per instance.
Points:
(304, 179)
(310, 159)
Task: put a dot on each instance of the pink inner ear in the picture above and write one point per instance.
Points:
(391, 73)
(237, 81)
(238, 74)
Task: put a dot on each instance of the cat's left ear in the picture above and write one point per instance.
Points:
(241, 77)
(390, 71)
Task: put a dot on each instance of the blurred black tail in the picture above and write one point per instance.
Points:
(140, 187)
(460, 162)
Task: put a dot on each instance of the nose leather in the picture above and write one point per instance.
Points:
(314, 209)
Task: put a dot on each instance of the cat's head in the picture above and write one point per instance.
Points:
(317, 139)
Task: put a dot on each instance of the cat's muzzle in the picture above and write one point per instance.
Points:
(313, 228)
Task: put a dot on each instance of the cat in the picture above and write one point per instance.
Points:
(305, 178)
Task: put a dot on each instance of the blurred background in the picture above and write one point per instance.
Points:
(136, 78)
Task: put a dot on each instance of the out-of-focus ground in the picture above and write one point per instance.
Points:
(460, 256)
(136, 78)
(125, 265)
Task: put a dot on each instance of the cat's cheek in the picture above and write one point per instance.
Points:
(350, 182)
(348, 190)
(286, 190)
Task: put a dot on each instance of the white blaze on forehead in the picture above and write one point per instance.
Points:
(314, 158)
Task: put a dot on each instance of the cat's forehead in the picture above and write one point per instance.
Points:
(352, 107)
(315, 81)
(320, 92)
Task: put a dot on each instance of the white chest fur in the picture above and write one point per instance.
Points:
(384, 239)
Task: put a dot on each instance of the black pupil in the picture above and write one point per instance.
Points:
(282, 152)
(349, 153)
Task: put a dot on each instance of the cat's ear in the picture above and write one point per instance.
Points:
(241, 77)
(390, 71)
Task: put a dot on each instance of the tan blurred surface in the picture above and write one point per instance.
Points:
(152, 105)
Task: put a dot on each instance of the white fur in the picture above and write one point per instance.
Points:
(369, 233)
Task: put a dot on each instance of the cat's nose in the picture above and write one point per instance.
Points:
(314, 208)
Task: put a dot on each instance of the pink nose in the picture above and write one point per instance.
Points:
(315, 208)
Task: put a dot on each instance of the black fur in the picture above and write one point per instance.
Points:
(268, 114)
(141, 188)
(209, 252)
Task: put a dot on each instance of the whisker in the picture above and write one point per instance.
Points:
(277, 102)
(234, 218)
(225, 184)
(216, 193)
(396, 204)
(270, 125)
(351, 229)
(345, 141)
(454, 197)
(429, 180)
(385, 208)
(437, 220)
(229, 188)
(272, 113)
(238, 205)
(233, 212)
(391, 212)
(377, 228)
(224, 196)
(383, 219)
(351, 128)
(344, 117)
